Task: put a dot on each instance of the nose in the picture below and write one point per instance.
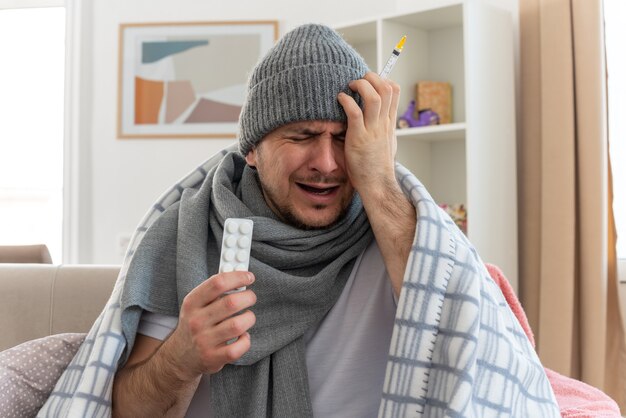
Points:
(324, 155)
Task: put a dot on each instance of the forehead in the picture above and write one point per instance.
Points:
(311, 125)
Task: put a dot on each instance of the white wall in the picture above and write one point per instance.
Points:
(117, 180)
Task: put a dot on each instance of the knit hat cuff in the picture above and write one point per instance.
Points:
(295, 94)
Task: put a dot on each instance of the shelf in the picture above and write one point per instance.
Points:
(434, 133)
(470, 45)
(435, 19)
(359, 34)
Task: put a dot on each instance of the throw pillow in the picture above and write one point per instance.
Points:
(29, 371)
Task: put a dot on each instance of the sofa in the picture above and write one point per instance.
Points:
(61, 302)
(37, 300)
(37, 253)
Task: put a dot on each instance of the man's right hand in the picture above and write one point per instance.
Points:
(160, 379)
(208, 319)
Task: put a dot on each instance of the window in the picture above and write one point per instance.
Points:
(31, 132)
(615, 16)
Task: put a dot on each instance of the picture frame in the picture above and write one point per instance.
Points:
(186, 79)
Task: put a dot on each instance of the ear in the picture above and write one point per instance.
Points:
(251, 157)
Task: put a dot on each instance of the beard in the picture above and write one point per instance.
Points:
(287, 213)
(289, 217)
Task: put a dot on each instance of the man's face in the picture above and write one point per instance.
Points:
(302, 172)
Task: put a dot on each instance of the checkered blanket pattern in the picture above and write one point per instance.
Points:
(456, 351)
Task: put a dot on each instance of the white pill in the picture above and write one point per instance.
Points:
(245, 228)
(231, 227)
(227, 267)
(242, 256)
(244, 242)
(241, 267)
(229, 255)
(231, 241)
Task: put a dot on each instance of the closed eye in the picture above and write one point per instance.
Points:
(299, 138)
(308, 134)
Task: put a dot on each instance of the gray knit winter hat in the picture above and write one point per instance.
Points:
(299, 79)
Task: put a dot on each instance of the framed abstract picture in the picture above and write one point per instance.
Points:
(187, 80)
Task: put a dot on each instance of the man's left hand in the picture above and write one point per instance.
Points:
(370, 143)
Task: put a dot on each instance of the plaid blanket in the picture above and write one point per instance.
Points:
(457, 349)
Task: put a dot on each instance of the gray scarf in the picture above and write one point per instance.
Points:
(299, 276)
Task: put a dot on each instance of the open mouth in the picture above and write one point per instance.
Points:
(317, 190)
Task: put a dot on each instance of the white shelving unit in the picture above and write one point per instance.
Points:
(470, 44)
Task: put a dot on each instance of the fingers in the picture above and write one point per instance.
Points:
(215, 287)
(207, 305)
(226, 341)
(229, 353)
(229, 305)
(214, 360)
(372, 100)
(352, 110)
(395, 99)
(218, 311)
(380, 97)
(209, 319)
(226, 331)
(234, 327)
(383, 89)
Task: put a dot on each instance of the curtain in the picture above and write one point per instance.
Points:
(567, 281)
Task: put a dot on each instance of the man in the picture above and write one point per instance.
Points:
(309, 164)
(340, 259)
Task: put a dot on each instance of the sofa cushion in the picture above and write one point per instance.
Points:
(29, 371)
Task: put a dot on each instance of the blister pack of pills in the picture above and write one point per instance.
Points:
(236, 244)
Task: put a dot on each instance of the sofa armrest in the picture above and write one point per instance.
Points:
(25, 254)
(37, 300)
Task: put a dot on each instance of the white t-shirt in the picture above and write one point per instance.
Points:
(346, 355)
